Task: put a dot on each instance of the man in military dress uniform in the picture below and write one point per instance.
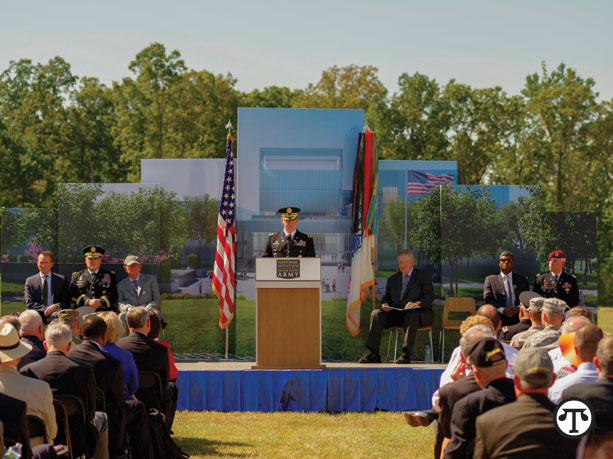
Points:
(93, 287)
(289, 242)
(556, 283)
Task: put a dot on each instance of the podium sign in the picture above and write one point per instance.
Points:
(288, 313)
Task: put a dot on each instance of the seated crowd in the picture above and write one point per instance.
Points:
(498, 400)
(111, 367)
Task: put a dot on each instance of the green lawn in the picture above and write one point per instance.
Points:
(288, 435)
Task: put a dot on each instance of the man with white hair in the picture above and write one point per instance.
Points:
(31, 332)
(68, 377)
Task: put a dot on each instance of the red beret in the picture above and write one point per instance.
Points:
(556, 254)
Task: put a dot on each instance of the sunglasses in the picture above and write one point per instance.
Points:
(506, 260)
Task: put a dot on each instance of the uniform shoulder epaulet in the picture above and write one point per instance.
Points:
(505, 329)
(574, 276)
(74, 272)
(271, 234)
(310, 236)
(112, 272)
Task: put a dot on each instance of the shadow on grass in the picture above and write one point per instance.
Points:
(204, 447)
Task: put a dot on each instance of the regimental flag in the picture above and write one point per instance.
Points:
(224, 280)
(424, 183)
(364, 227)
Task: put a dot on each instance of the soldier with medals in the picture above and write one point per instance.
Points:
(289, 242)
(556, 283)
(94, 288)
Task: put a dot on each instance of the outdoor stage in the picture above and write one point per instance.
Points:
(234, 386)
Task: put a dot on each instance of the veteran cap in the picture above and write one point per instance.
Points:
(289, 213)
(554, 306)
(68, 314)
(556, 254)
(486, 352)
(536, 304)
(526, 296)
(130, 260)
(93, 251)
(534, 366)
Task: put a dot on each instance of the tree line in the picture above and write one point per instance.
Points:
(57, 127)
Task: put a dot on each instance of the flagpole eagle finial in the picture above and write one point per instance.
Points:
(229, 127)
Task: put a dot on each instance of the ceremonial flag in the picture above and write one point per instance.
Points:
(224, 280)
(423, 183)
(364, 227)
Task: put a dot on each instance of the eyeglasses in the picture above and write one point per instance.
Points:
(506, 260)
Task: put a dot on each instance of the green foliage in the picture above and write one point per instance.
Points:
(13, 258)
(201, 219)
(194, 261)
(165, 268)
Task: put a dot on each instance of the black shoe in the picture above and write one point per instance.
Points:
(371, 358)
(421, 418)
(403, 359)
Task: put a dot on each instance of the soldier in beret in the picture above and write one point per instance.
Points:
(556, 283)
(289, 242)
(93, 287)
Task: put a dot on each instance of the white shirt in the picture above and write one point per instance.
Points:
(586, 372)
(558, 359)
(505, 286)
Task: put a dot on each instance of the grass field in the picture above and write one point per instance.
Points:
(289, 435)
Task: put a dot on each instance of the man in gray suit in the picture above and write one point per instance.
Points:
(138, 289)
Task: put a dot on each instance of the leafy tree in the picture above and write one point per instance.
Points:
(201, 219)
(271, 97)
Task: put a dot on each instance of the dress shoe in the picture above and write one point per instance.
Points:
(371, 358)
(420, 418)
(403, 359)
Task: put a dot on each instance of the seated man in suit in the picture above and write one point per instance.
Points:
(123, 415)
(503, 289)
(138, 289)
(407, 303)
(68, 377)
(46, 292)
(148, 355)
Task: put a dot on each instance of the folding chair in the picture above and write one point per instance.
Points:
(401, 329)
(455, 304)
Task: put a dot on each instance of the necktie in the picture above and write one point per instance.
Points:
(405, 283)
(135, 285)
(509, 290)
(45, 291)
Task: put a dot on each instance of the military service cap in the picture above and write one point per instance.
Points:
(93, 251)
(556, 254)
(289, 213)
(554, 306)
(68, 314)
(536, 304)
(533, 365)
(526, 296)
(486, 352)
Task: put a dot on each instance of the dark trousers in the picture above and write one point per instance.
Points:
(137, 426)
(170, 403)
(410, 320)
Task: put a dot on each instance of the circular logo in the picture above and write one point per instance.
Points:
(573, 417)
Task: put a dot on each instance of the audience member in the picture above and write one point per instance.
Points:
(565, 361)
(148, 355)
(35, 393)
(407, 303)
(508, 332)
(552, 316)
(13, 416)
(556, 283)
(580, 311)
(525, 428)
(31, 331)
(46, 292)
(488, 366)
(68, 377)
(13, 320)
(72, 318)
(536, 323)
(599, 393)
(123, 415)
(114, 330)
(94, 288)
(502, 290)
(586, 343)
(138, 289)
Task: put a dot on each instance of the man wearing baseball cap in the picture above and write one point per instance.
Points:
(556, 283)
(508, 332)
(289, 242)
(535, 307)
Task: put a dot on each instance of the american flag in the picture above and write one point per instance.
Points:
(224, 279)
(423, 183)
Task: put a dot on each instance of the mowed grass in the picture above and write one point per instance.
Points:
(290, 435)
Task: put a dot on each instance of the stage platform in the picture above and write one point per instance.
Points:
(234, 386)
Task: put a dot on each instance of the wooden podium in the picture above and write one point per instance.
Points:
(288, 313)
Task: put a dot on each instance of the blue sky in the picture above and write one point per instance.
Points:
(289, 43)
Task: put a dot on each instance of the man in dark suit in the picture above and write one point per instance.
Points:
(68, 377)
(599, 393)
(289, 242)
(122, 415)
(94, 286)
(148, 355)
(503, 289)
(524, 428)
(557, 283)
(13, 416)
(31, 332)
(46, 292)
(407, 303)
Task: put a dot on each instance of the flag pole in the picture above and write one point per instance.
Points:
(229, 128)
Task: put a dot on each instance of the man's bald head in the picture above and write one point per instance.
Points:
(489, 311)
